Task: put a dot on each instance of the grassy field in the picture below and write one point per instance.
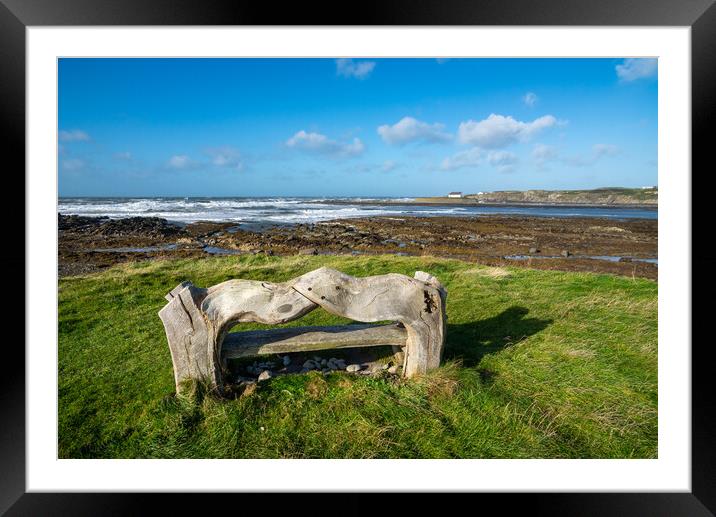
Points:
(538, 364)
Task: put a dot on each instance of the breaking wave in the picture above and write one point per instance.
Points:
(286, 210)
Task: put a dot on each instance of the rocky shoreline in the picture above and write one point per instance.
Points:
(623, 247)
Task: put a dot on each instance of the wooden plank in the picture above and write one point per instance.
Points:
(175, 292)
(418, 303)
(305, 339)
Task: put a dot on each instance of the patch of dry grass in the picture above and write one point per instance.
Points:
(486, 271)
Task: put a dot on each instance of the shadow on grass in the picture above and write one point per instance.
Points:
(470, 342)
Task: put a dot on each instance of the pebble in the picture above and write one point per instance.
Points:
(353, 368)
(265, 375)
(324, 362)
(565, 253)
(308, 364)
(286, 360)
(249, 389)
(393, 370)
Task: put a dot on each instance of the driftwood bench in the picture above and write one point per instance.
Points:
(197, 320)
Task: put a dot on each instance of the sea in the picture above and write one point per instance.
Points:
(294, 210)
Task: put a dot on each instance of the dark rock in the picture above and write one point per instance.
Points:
(78, 222)
(133, 226)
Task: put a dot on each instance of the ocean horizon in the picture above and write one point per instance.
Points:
(295, 210)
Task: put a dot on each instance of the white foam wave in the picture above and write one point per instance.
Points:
(285, 210)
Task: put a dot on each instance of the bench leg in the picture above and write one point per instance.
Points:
(192, 342)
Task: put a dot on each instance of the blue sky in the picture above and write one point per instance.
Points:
(353, 127)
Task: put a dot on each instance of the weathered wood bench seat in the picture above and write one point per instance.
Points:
(309, 339)
(197, 320)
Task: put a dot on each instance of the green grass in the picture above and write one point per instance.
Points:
(538, 364)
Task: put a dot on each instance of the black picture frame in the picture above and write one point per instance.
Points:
(699, 15)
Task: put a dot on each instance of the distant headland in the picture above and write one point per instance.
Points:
(595, 197)
(617, 197)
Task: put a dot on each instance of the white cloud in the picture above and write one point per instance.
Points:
(530, 99)
(72, 164)
(389, 165)
(499, 131)
(124, 155)
(226, 156)
(316, 142)
(504, 161)
(181, 161)
(543, 154)
(308, 140)
(357, 69)
(469, 158)
(633, 69)
(74, 135)
(600, 150)
(409, 129)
